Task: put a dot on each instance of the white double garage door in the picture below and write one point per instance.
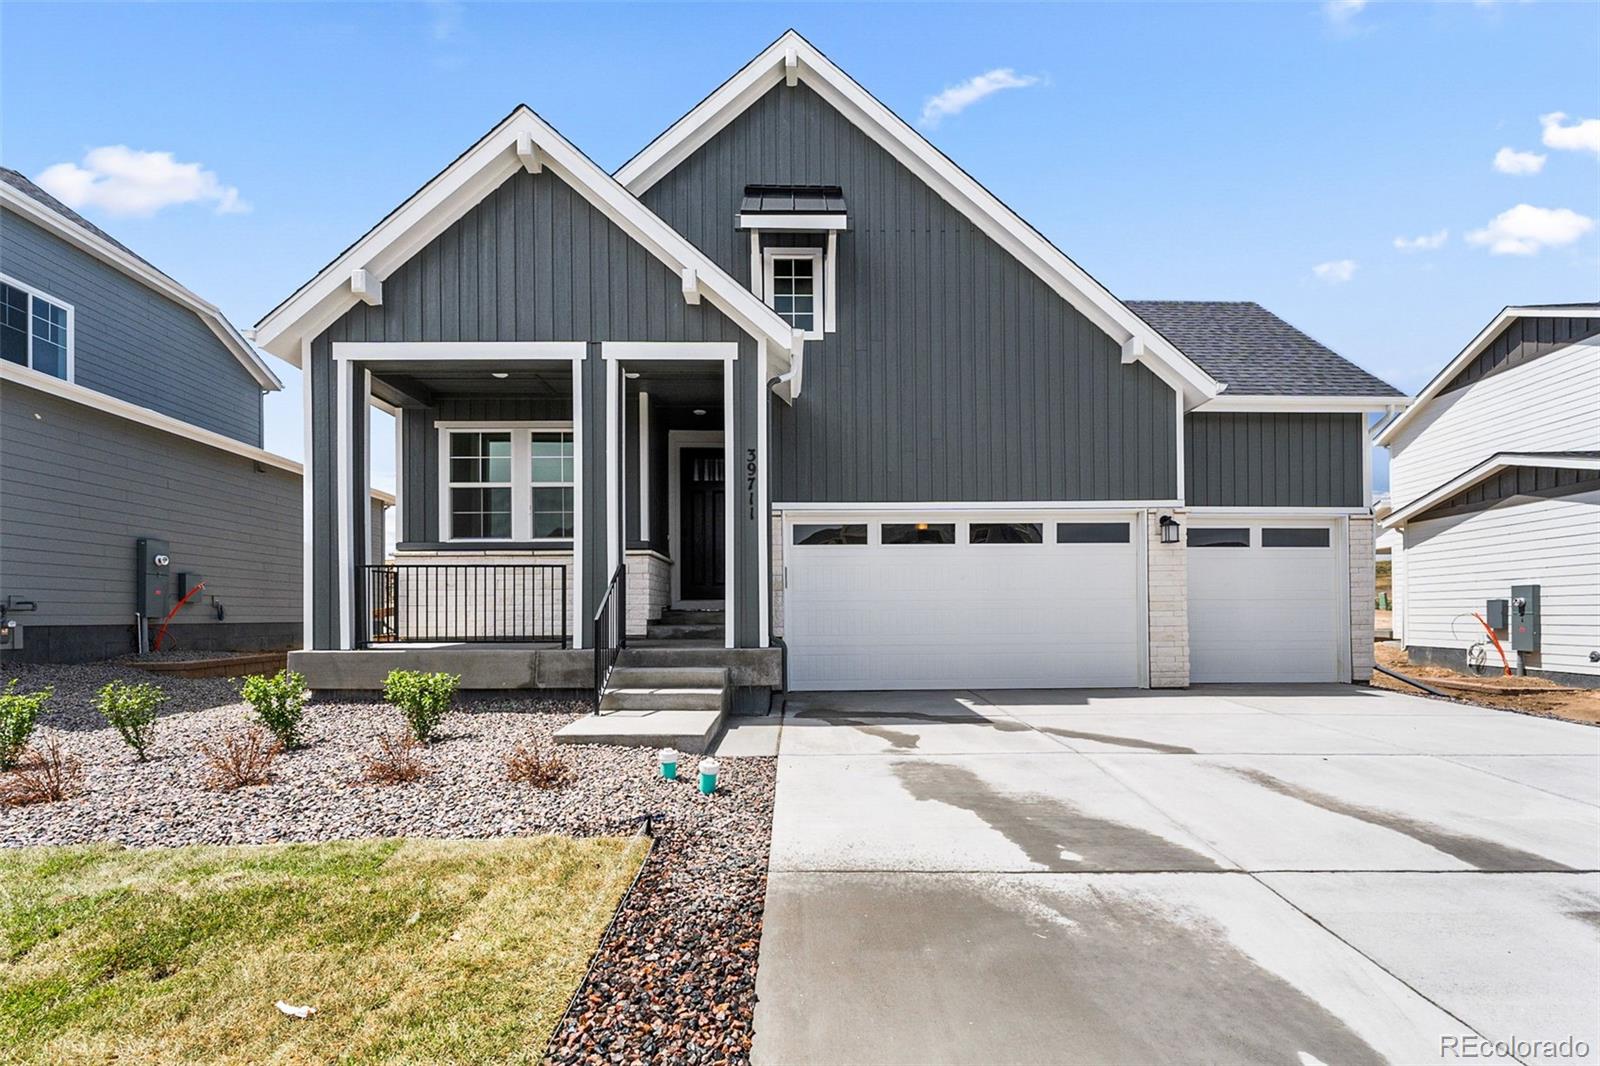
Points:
(907, 600)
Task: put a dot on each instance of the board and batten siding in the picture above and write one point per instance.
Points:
(1547, 404)
(1522, 341)
(132, 342)
(1452, 565)
(956, 373)
(1272, 459)
(81, 486)
(532, 261)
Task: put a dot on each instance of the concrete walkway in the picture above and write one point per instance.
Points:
(1291, 874)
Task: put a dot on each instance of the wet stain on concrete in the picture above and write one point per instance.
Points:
(1121, 742)
(1589, 918)
(880, 725)
(1475, 851)
(1037, 975)
(1050, 831)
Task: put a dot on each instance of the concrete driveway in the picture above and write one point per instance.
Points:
(1291, 874)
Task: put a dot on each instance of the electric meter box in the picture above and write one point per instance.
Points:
(153, 587)
(1525, 617)
(1498, 613)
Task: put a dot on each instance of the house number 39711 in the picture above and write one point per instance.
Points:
(750, 479)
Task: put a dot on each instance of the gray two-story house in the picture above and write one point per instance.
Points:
(132, 477)
(792, 385)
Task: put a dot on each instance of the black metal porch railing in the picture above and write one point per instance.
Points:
(470, 603)
(610, 631)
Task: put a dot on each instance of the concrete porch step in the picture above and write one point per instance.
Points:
(661, 631)
(629, 676)
(683, 616)
(689, 731)
(662, 699)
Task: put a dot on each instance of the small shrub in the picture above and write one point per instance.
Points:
(43, 775)
(132, 710)
(423, 699)
(279, 703)
(19, 713)
(538, 766)
(397, 761)
(240, 760)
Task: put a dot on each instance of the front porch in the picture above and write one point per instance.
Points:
(556, 504)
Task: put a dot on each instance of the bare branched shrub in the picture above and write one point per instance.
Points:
(240, 760)
(538, 766)
(397, 761)
(43, 775)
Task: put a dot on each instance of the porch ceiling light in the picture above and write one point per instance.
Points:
(1169, 529)
(501, 374)
(632, 375)
(699, 410)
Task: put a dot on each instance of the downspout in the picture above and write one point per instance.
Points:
(782, 643)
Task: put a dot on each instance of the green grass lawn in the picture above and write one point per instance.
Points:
(441, 951)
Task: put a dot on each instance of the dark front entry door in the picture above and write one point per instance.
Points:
(700, 524)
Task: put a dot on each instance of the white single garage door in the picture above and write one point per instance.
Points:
(1267, 600)
(935, 600)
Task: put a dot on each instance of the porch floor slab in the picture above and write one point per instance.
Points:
(689, 731)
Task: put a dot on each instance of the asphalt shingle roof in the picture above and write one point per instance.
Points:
(1254, 352)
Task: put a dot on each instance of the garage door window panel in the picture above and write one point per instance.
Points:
(1215, 537)
(1294, 538)
(919, 533)
(1092, 533)
(828, 535)
(1006, 533)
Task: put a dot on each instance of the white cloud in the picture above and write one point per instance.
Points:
(957, 98)
(1336, 271)
(1582, 136)
(1511, 161)
(1340, 12)
(445, 21)
(1427, 242)
(1525, 229)
(124, 181)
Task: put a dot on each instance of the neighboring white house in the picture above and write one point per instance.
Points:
(1495, 486)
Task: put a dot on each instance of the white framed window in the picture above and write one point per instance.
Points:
(505, 481)
(793, 285)
(35, 329)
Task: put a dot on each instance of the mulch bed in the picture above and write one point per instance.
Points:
(675, 978)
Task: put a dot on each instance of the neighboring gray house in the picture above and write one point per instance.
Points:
(129, 409)
(804, 390)
(1495, 490)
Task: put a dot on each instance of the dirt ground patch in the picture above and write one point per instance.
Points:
(1582, 705)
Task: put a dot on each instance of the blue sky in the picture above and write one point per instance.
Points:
(1179, 151)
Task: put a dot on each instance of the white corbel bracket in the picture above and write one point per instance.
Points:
(528, 153)
(691, 286)
(791, 68)
(365, 287)
(1133, 350)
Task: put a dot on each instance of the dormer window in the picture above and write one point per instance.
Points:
(791, 284)
(794, 240)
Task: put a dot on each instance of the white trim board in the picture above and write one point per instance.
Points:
(464, 351)
(1486, 335)
(774, 223)
(147, 275)
(1304, 404)
(792, 58)
(979, 505)
(1484, 470)
(682, 351)
(521, 140)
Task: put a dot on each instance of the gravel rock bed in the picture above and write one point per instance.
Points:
(675, 978)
